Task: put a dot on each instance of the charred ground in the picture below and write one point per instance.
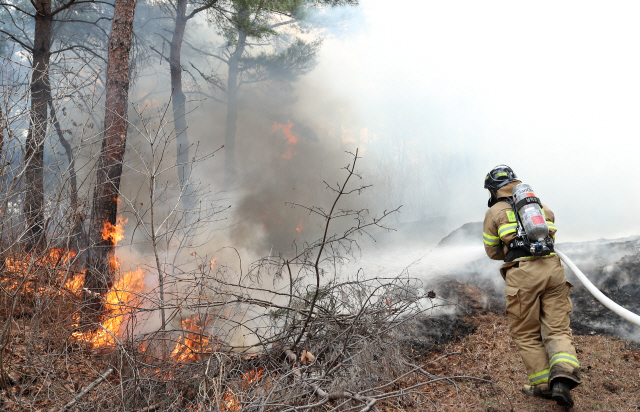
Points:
(477, 332)
(612, 265)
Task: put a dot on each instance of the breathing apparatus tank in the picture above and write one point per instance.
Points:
(531, 218)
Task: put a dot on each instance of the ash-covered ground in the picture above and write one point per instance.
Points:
(467, 283)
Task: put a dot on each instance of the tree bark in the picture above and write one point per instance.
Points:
(178, 99)
(100, 272)
(34, 145)
(232, 108)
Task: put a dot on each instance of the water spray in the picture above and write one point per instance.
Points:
(617, 309)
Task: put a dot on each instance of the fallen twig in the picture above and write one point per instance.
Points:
(86, 390)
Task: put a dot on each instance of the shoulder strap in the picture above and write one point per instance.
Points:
(494, 200)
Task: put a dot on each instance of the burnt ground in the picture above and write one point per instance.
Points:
(621, 283)
(468, 304)
(466, 297)
(476, 335)
(612, 265)
(473, 347)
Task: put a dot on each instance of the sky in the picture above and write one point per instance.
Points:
(550, 88)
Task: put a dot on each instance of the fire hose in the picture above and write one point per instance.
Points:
(614, 307)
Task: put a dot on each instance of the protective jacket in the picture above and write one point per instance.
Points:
(537, 297)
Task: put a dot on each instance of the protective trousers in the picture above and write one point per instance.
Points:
(538, 306)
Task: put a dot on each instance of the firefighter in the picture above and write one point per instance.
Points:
(537, 294)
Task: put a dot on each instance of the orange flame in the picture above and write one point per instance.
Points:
(114, 234)
(230, 402)
(75, 283)
(194, 343)
(118, 301)
(288, 135)
(57, 264)
(300, 227)
(252, 376)
(213, 262)
(120, 297)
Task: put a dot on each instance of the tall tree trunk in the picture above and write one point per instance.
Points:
(232, 108)
(100, 272)
(178, 99)
(34, 146)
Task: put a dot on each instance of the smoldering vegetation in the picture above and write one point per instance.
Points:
(612, 265)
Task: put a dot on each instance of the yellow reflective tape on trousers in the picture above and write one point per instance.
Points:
(506, 229)
(539, 377)
(490, 240)
(564, 357)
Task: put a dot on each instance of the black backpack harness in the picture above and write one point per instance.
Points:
(521, 246)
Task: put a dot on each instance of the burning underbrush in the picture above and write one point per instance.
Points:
(290, 334)
(352, 344)
(287, 334)
(346, 345)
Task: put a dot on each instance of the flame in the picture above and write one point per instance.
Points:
(114, 234)
(252, 376)
(194, 343)
(300, 227)
(56, 264)
(230, 402)
(54, 257)
(75, 283)
(118, 301)
(288, 135)
(213, 262)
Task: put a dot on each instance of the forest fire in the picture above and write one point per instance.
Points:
(230, 402)
(55, 264)
(112, 233)
(118, 302)
(194, 343)
(120, 298)
(252, 376)
(289, 136)
(75, 283)
(55, 258)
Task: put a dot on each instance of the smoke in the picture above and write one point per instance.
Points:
(453, 89)
(432, 96)
(431, 108)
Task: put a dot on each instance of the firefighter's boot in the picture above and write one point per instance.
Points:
(561, 392)
(537, 391)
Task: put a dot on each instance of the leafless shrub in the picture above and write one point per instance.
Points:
(289, 334)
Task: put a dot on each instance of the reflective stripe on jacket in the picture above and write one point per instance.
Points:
(500, 228)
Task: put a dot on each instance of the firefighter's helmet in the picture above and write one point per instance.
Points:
(498, 177)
